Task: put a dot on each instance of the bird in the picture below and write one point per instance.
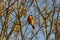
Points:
(31, 21)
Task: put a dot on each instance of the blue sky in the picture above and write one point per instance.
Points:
(39, 34)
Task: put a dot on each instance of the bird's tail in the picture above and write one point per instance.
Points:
(33, 27)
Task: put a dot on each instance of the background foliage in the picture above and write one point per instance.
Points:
(14, 25)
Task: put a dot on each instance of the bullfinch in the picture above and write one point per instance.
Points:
(31, 21)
